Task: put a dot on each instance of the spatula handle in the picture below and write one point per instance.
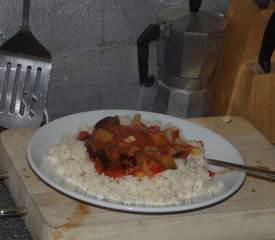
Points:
(194, 5)
(26, 15)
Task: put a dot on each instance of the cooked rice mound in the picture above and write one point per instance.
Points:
(68, 164)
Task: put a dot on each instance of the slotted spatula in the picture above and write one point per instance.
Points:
(25, 67)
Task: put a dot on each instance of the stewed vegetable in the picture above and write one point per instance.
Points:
(135, 149)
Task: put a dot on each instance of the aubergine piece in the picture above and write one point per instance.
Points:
(104, 160)
(127, 161)
(177, 155)
(107, 123)
(90, 150)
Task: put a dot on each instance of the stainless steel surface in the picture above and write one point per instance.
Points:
(13, 212)
(190, 43)
(184, 83)
(250, 170)
(25, 67)
(181, 102)
(188, 49)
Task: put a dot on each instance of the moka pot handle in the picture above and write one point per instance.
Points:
(151, 33)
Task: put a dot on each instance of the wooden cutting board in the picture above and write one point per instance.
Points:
(248, 214)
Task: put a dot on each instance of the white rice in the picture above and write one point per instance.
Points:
(68, 164)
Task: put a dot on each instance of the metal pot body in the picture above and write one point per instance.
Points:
(189, 44)
(182, 102)
(189, 47)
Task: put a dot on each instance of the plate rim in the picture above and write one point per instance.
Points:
(129, 208)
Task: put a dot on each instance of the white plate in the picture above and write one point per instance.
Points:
(216, 147)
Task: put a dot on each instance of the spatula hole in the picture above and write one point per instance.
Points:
(36, 89)
(13, 89)
(23, 99)
(37, 80)
(34, 100)
(31, 114)
(4, 87)
(22, 105)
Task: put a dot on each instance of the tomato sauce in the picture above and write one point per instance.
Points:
(118, 150)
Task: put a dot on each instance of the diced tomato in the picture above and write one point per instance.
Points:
(211, 173)
(140, 139)
(150, 168)
(175, 135)
(97, 165)
(124, 131)
(82, 135)
(115, 157)
(152, 130)
(155, 167)
(115, 173)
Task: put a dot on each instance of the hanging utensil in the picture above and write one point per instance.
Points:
(268, 45)
(262, 4)
(25, 67)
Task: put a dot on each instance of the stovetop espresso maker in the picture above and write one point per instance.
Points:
(189, 44)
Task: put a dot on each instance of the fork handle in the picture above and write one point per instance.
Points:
(250, 170)
(26, 15)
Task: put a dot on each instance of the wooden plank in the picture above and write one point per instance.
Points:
(249, 214)
(240, 87)
(255, 100)
(240, 15)
(241, 46)
(263, 104)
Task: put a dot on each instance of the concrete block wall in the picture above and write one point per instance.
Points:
(93, 47)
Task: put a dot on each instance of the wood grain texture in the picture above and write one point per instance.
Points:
(248, 214)
(239, 85)
(240, 18)
(255, 100)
